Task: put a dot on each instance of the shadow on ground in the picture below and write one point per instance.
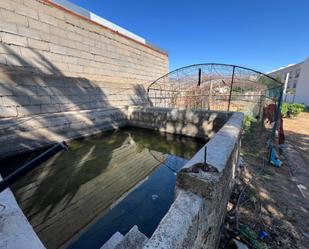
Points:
(272, 200)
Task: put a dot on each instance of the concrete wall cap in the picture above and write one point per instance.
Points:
(220, 147)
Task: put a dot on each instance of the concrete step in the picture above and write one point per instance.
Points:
(113, 241)
(134, 239)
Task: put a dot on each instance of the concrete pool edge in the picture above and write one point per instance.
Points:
(195, 218)
(171, 120)
(15, 228)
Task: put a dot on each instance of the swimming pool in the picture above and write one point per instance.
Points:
(103, 184)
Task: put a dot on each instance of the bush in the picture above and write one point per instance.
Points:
(248, 120)
(292, 110)
(284, 109)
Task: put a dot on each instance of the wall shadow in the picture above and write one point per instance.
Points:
(36, 92)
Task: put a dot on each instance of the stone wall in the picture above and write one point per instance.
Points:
(195, 123)
(203, 190)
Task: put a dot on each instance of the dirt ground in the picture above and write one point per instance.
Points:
(268, 198)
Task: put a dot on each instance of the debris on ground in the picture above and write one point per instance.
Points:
(267, 208)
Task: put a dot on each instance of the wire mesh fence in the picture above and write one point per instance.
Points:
(215, 87)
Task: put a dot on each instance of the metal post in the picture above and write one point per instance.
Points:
(205, 156)
(148, 98)
(199, 76)
(12, 178)
(232, 82)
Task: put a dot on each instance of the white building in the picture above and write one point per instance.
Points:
(296, 79)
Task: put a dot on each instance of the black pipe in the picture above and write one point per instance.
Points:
(12, 178)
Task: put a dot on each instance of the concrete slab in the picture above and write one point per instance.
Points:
(134, 239)
(113, 241)
(15, 230)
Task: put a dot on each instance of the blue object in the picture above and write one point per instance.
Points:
(263, 234)
(274, 159)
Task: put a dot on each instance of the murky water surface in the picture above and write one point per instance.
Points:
(103, 184)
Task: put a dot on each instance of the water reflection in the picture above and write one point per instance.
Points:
(75, 187)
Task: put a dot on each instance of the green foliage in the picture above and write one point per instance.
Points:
(284, 109)
(291, 110)
(248, 120)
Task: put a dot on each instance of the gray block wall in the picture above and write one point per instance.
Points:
(56, 68)
(39, 35)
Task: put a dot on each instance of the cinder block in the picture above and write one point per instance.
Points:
(58, 31)
(46, 18)
(26, 11)
(57, 49)
(14, 39)
(51, 108)
(12, 17)
(8, 27)
(59, 100)
(33, 4)
(14, 60)
(8, 5)
(37, 44)
(35, 24)
(2, 59)
(81, 46)
(52, 56)
(72, 19)
(42, 91)
(56, 13)
(75, 68)
(24, 90)
(28, 110)
(6, 112)
(15, 100)
(28, 32)
(38, 100)
(74, 37)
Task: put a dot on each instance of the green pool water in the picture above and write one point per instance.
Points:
(103, 184)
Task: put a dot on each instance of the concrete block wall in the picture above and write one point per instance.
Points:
(40, 35)
(54, 63)
(24, 94)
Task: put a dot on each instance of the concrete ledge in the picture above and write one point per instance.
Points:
(15, 230)
(179, 227)
(195, 218)
(30, 133)
(220, 147)
(195, 123)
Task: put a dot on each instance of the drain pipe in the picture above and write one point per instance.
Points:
(12, 178)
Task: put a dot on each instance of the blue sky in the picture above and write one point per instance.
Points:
(260, 34)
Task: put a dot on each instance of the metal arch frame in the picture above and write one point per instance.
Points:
(280, 86)
(213, 64)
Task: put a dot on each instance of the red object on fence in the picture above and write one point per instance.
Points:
(281, 132)
(269, 114)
